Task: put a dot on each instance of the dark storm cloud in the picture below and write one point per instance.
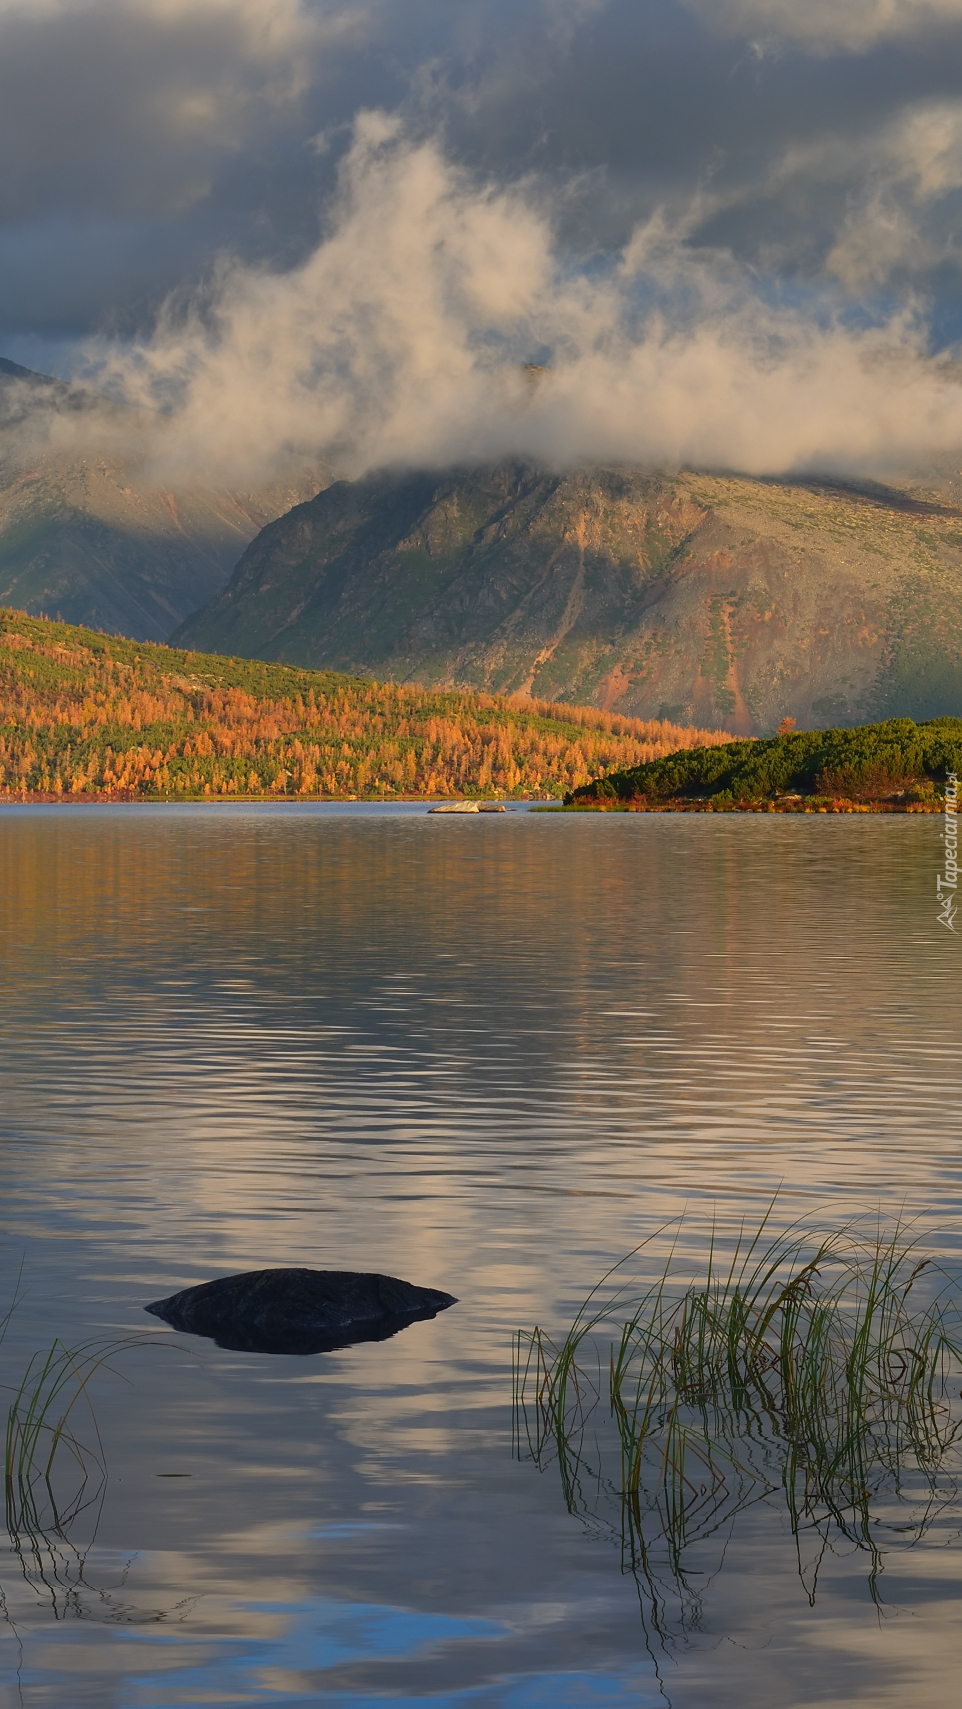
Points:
(775, 153)
(799, 132)
(772, 181)
(824, 26)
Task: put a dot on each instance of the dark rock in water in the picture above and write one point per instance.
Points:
(299, 1311)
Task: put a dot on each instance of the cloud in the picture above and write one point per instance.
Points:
(897, 184)
(322, 266)
(128, 107)
(825, 26)
(142, 138)
(401, 339)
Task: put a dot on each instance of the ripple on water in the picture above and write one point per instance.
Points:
(488, 1056)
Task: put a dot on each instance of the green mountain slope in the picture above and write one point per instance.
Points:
(87, 535)
(897, 761)
(717, 600)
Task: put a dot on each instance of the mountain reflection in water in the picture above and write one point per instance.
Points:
(498, 1055)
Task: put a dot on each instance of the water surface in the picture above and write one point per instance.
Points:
(488, 1055)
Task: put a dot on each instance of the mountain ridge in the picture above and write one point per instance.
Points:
(87, 532)
(722, 600)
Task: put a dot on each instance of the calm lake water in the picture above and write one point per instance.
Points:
(489, 1056)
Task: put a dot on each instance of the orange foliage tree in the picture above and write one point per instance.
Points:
(89, 715)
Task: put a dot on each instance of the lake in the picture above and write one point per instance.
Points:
(490, 1055)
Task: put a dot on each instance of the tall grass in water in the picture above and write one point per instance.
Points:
(814, 1370)
(54, 1462)
(52, 1472)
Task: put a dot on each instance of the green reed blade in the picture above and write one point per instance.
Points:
(806, 1363)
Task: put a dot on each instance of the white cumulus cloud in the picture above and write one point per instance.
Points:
(401, 340)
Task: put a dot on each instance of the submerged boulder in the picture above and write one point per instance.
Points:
(299, 1311)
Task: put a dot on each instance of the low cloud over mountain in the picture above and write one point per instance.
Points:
(339, 230)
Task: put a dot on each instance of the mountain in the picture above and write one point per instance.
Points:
(87, 534)
(710, 599)
(83, 714)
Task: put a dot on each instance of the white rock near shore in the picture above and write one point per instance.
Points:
(469, 807)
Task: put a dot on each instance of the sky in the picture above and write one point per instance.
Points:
(727, 229)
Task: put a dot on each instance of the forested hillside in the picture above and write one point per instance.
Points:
(896, 764)
(86, 715)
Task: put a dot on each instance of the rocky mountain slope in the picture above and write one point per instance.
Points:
(709, 599)
(87, 535)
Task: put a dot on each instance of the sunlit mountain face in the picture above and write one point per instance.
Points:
(728, 601)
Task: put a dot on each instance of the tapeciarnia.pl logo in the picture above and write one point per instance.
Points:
(950, 880)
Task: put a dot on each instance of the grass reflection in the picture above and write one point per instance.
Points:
(813, 1371)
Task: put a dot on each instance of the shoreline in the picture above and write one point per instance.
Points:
(811, 805)
(535, 803)
(132, 798)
